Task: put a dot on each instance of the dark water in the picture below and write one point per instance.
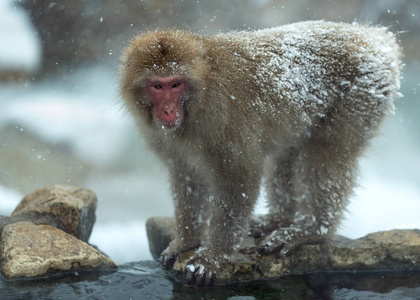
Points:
(145, 280)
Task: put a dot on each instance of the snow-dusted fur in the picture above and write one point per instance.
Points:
(294, 104)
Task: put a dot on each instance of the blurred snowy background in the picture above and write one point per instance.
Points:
(61, 119)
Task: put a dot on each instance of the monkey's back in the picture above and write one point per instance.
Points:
(308, 67)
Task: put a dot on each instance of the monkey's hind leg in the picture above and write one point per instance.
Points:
(322, 177)
(279, 187)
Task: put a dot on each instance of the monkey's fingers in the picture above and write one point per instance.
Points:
(268, 248)
(167, 261)
(276, 242)
(264, 225)
(197, 275)
(256, 230)
(286, 240)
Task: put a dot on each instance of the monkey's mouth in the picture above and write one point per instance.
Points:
(169, 124)
(166, 119)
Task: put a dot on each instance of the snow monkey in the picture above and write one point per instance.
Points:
(291, 107)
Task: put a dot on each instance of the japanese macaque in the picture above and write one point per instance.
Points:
(291, 107)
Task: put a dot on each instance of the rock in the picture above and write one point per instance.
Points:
(160, 232)
(388, 250)
(74, 207)
(47, 235)
(36, 218)
(30, 251)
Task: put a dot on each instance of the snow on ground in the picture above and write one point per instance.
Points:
(122, 241)
(381, 205)
(9, 199)
(19, 46)
(81, 112)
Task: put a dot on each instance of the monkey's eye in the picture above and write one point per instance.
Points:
(157, 86)
(176, 84)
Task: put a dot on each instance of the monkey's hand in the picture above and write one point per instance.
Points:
(285, 239)
(176, 247)
(202, 266)
(262, 225)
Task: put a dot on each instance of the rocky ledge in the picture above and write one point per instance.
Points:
(387, 250)
(47, 235)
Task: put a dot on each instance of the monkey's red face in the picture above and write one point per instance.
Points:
(167, 95)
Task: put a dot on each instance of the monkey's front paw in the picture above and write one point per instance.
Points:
(170, 254)
(168, 259)
(287, 239)
(201, 268)
(282, 241)
(264, 225)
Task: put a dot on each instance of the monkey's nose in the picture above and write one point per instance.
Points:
(168, 110)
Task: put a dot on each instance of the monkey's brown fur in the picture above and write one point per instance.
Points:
(295, 104)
